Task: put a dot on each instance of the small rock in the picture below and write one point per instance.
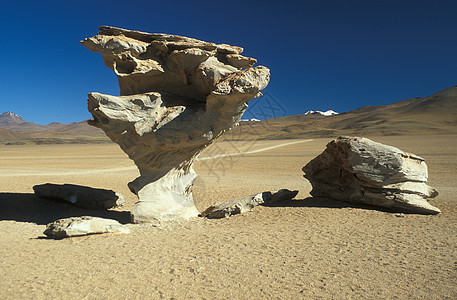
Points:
(81, 196)
(78, 226)
(239, 206)
(400, 215)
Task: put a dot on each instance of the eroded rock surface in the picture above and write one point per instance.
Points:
(81, 196)
(358, 170)
(178, 94)
(78, 226)
(239, 206)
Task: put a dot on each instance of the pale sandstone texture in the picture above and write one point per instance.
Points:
(178, 94)
(78, 226)
(239, 206)
(360, 171)
(81, 196)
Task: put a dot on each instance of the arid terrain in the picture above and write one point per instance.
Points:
(435, 114)
(16, 131)
(305, 248)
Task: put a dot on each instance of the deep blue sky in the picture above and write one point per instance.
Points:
(337, 55)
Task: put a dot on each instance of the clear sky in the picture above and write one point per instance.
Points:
(323, 54)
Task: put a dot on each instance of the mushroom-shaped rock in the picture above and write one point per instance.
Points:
(360, 171)
(178, 94)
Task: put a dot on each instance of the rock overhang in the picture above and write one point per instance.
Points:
(178, 95)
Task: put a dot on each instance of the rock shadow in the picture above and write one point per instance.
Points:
(27, 207)
(330, 203)
(309, 202)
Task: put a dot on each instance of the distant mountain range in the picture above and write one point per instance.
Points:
(436, 114)
(15, 130)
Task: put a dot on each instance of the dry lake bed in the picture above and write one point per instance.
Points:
(305, 248)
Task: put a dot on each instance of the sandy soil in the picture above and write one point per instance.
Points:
(307, 248)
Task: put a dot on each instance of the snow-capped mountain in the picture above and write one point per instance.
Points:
(10, 119)
(10, 114)
(250, 120)
(322, 113)
(14, 122)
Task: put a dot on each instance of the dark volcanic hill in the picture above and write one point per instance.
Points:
(435, 114)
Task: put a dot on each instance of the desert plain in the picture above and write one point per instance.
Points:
(305, 248)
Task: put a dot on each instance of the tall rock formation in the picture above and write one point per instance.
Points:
(178, 95)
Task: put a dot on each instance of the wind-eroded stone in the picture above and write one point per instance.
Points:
(78, 226)
(239, 206)
(358, 170)
(81, 196)
(178, 94)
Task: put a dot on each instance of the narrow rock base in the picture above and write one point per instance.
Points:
(166, 199)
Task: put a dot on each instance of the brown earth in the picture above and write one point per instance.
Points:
(16, 131)
(306, 248)
(435, 114)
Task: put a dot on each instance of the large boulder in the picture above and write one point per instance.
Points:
(239, 206)
(178, 94)
(78, 226)
(82, 196)
(360, 171)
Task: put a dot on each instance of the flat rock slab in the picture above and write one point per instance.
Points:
(81, 196)
(79, 226)
(239, 206)
(360, 171)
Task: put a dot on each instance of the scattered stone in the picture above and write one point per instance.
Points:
(400, 215)
(78, 226)
(178, 95)
(360, 171)
(81, 196)
(239, 206)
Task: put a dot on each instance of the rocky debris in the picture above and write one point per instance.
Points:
(360, 171)
(178, 95)
(81, 196)
(78, 226)
(239, 206)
